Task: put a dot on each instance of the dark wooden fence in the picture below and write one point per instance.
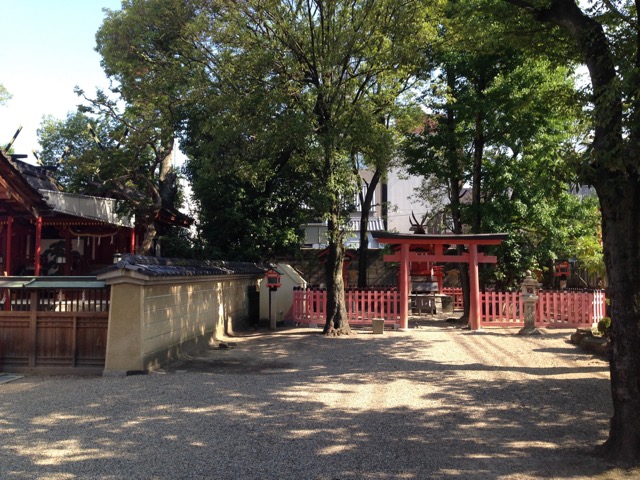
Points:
(53, 324)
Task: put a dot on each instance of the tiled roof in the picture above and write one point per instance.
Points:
(37, 176)
(165, 267)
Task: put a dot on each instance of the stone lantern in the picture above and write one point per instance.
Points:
(529, 290)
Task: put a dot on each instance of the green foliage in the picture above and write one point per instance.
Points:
(517, 111)
(128, 153)
(69, 147)
(178, 243)
(604, 325)
(542, 231)
(109, 160)
(249, 219)
(290, 92)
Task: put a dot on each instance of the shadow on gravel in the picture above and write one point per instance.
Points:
(286, 406)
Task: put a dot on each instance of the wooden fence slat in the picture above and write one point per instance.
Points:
(56, 328)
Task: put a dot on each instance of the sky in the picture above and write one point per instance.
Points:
(46, 49)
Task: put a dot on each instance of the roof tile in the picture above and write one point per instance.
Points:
(165, 267)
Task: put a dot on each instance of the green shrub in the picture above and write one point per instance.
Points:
(604, 325)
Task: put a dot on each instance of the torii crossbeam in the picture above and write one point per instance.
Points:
(473, 258)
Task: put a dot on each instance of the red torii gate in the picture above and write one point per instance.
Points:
(472, 257)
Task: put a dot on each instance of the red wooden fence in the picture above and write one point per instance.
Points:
(456, 294)
(566, 309)
(499, 309)
(310, 306)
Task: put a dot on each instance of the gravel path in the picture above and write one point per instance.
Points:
(434, 402)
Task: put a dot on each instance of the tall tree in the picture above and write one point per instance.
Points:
(366, 196)
(248, 184)
(341, 66)
(137, 45)
(380, 152)
(247, 144)
(495, 110)
(607, 37)
(108, 154)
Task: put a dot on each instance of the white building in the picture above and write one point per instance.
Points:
(394, 203)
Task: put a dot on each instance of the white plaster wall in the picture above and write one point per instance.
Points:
(282, 298)
(152, 320)
(175, 314)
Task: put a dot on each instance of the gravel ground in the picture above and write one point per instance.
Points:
(434, 402)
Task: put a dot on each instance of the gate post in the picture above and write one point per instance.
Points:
(404, 286)
(475, 312)
(33, 326)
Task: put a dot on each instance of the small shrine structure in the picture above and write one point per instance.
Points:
(430, 248)
(45, 231)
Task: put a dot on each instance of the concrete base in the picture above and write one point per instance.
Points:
(378, 325)
(529, 331)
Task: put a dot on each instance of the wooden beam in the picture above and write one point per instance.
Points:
(421, 257)
(21, 195)
(8, 253)
(440, 239)
(403, 282)
(132, 245)
(36, 255)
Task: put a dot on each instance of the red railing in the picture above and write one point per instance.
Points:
(557, 309)
(569, 309)
(456, 294)
(499, 309)
(310, 306)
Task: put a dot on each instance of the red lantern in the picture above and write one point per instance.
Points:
(563, 269)
(273, 279)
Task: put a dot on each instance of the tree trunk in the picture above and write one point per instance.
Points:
(478, 155)
(621, 235)
(337, 322)
(455, 192)
(167, 179)
(363, 249)
(613, 171)
(150, 232)
(366, 203)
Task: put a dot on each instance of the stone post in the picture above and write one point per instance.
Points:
(529, 289)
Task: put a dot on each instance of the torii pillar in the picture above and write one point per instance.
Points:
(475, 311)
(473, 258)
